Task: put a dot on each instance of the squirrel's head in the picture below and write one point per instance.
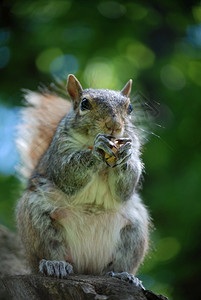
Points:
(98, 110)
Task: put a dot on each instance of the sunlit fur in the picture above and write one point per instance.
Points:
(40, 118)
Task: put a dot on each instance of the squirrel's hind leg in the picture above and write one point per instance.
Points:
(42, 236)
(127, 277)
(129, 252)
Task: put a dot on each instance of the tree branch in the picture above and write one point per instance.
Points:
(32, 287)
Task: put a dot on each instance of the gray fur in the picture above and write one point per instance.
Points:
(130, 250)
(67, 168)
(39, 233)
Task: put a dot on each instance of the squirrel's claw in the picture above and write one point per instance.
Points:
(53, 268)
(124, 153)
(104, 149)
(127, 277)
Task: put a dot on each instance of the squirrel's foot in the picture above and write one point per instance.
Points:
(127, 277)
(54, 268)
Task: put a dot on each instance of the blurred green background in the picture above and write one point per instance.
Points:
(105, 43)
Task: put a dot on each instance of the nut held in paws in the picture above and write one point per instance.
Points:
(111, 160)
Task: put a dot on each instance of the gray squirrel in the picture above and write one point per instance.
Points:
(81, 212)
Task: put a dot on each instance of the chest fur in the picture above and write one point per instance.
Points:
(92, 239)
(92, 227)
(97, 193)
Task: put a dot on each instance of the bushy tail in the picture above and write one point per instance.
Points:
(40, 118)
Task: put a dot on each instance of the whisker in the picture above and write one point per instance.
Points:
(149, 132)
(158, 125)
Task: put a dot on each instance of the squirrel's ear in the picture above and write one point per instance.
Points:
(127, 89)
(74, 89)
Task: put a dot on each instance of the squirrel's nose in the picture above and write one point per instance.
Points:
(113, 125)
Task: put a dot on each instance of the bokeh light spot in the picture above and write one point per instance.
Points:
(196, 10)
(4, 56)
(140, 55)
(194, 35)
(8, 153)
(167, 248)
(111, 9)
(78, 34)
(194, 72)
(44, 11)
(189, 50)
(46, 57)
(63, 65)
(172, 77)
(99, 74)
(4, 36)
(135, 11)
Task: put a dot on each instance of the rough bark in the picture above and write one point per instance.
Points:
(12, 259)
(76, 287)
(35, 287)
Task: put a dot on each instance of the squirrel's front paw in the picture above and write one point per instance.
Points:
(54, 268)
(111, 150)
(124, 152)
(103, 147)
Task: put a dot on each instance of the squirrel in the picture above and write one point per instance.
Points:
(81, 212)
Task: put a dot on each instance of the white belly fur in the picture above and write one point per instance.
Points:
(92, 237)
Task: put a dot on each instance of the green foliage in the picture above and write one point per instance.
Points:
(105, 43)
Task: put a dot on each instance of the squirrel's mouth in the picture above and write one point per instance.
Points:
(116, 133)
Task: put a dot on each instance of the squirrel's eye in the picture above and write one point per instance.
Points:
(85, 104)
(130, 109)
